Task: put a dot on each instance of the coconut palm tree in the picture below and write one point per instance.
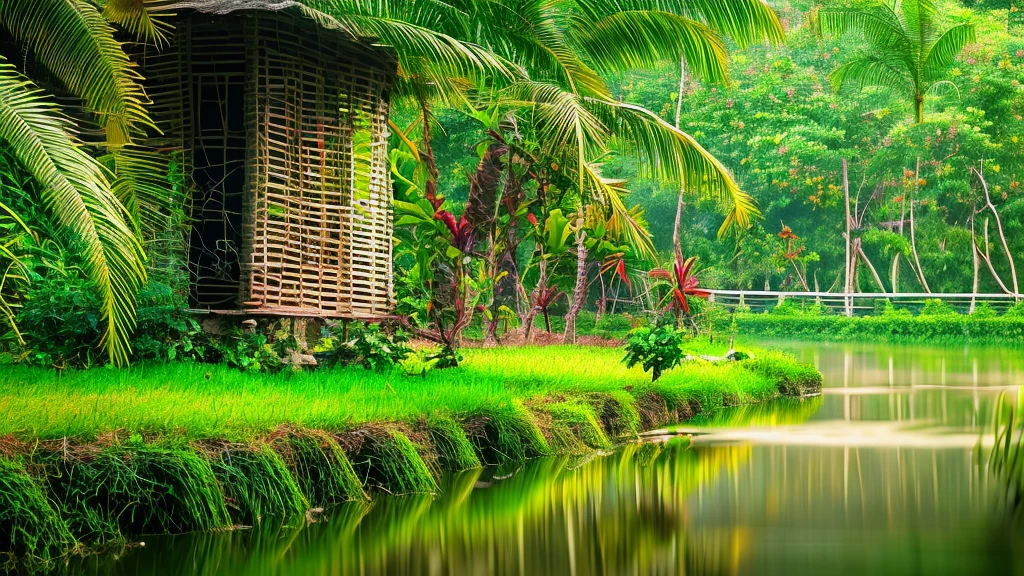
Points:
(907, 52)
(550, 55)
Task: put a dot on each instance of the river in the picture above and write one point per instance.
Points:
(878, 475)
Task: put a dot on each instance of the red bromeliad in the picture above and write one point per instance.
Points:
(462, 231)
(686, 283)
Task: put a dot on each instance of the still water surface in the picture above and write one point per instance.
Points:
(875, 476)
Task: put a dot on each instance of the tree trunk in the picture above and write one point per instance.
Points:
(974, 255)
(580, 293)
(682, 185)
(913, 236)
(871, 268)
(534, 300)
(896, 258)
(1002, 236)
(847, 303)
(919, 108)
(987, 257)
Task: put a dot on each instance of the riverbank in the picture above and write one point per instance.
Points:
(949, 328)
(92, 458)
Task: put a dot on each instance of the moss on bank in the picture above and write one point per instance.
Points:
(234, 449)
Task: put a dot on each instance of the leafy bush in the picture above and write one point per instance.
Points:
(166, 331)
(1015, 311)
(657, 349)
(937, 307)
(899, 326)
(368, 346)
(615, 323)
(984, 310)
(60, 321)
(248, 351)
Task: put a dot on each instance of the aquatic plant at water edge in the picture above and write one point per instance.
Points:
(31, 531)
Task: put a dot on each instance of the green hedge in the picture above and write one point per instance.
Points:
(944, 328)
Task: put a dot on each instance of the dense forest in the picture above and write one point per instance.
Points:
(783, 130)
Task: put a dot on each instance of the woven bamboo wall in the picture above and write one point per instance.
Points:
(284, 131)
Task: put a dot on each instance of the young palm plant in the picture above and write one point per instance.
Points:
(907, 52)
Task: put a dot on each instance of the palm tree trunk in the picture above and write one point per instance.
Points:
(580, 293)
(534, 301)
(918, 109)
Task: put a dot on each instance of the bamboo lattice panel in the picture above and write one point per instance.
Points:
(283, 126)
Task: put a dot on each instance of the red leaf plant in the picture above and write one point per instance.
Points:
(683, 275)
(462, 231)
(545, 301)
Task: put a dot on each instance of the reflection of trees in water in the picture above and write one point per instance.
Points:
(627, 513)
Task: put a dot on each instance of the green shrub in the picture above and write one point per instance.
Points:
(1015, 311)
(937, 307)
(60, 320)
(984, 310)
(366, 345)
(657, 349)
(897, 326)
(616, 323)
(249, 351)
(166, 331)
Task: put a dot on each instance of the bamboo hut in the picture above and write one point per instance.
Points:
(279, 124)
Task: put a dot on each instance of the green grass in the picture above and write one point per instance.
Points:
(199, 401)
(107, 453)
(257, 483)
(33, 532)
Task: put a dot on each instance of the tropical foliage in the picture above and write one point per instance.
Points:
(906, 50)
(785, 131)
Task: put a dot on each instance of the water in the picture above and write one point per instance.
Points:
(876, 476)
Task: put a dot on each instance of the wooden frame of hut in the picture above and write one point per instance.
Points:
(281, 124)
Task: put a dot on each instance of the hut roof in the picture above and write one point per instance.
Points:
(222, 7)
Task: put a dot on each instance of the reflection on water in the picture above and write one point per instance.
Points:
(717, 507)
(950, 386)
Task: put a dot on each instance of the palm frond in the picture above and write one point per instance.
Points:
(141, 185)
(648, 38)
(918, 19)
(532, 32)
(873, 70)
(943, 53)
(621, 221)
(75, 189)
(139, 18)
(879, 25)
(667, 153)
(565, 127)
(747, 22)
(422, 49)
(73, 41)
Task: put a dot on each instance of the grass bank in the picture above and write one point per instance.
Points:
(90, 458)
(893, 328)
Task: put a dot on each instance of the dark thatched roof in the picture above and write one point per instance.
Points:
(222, 7)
